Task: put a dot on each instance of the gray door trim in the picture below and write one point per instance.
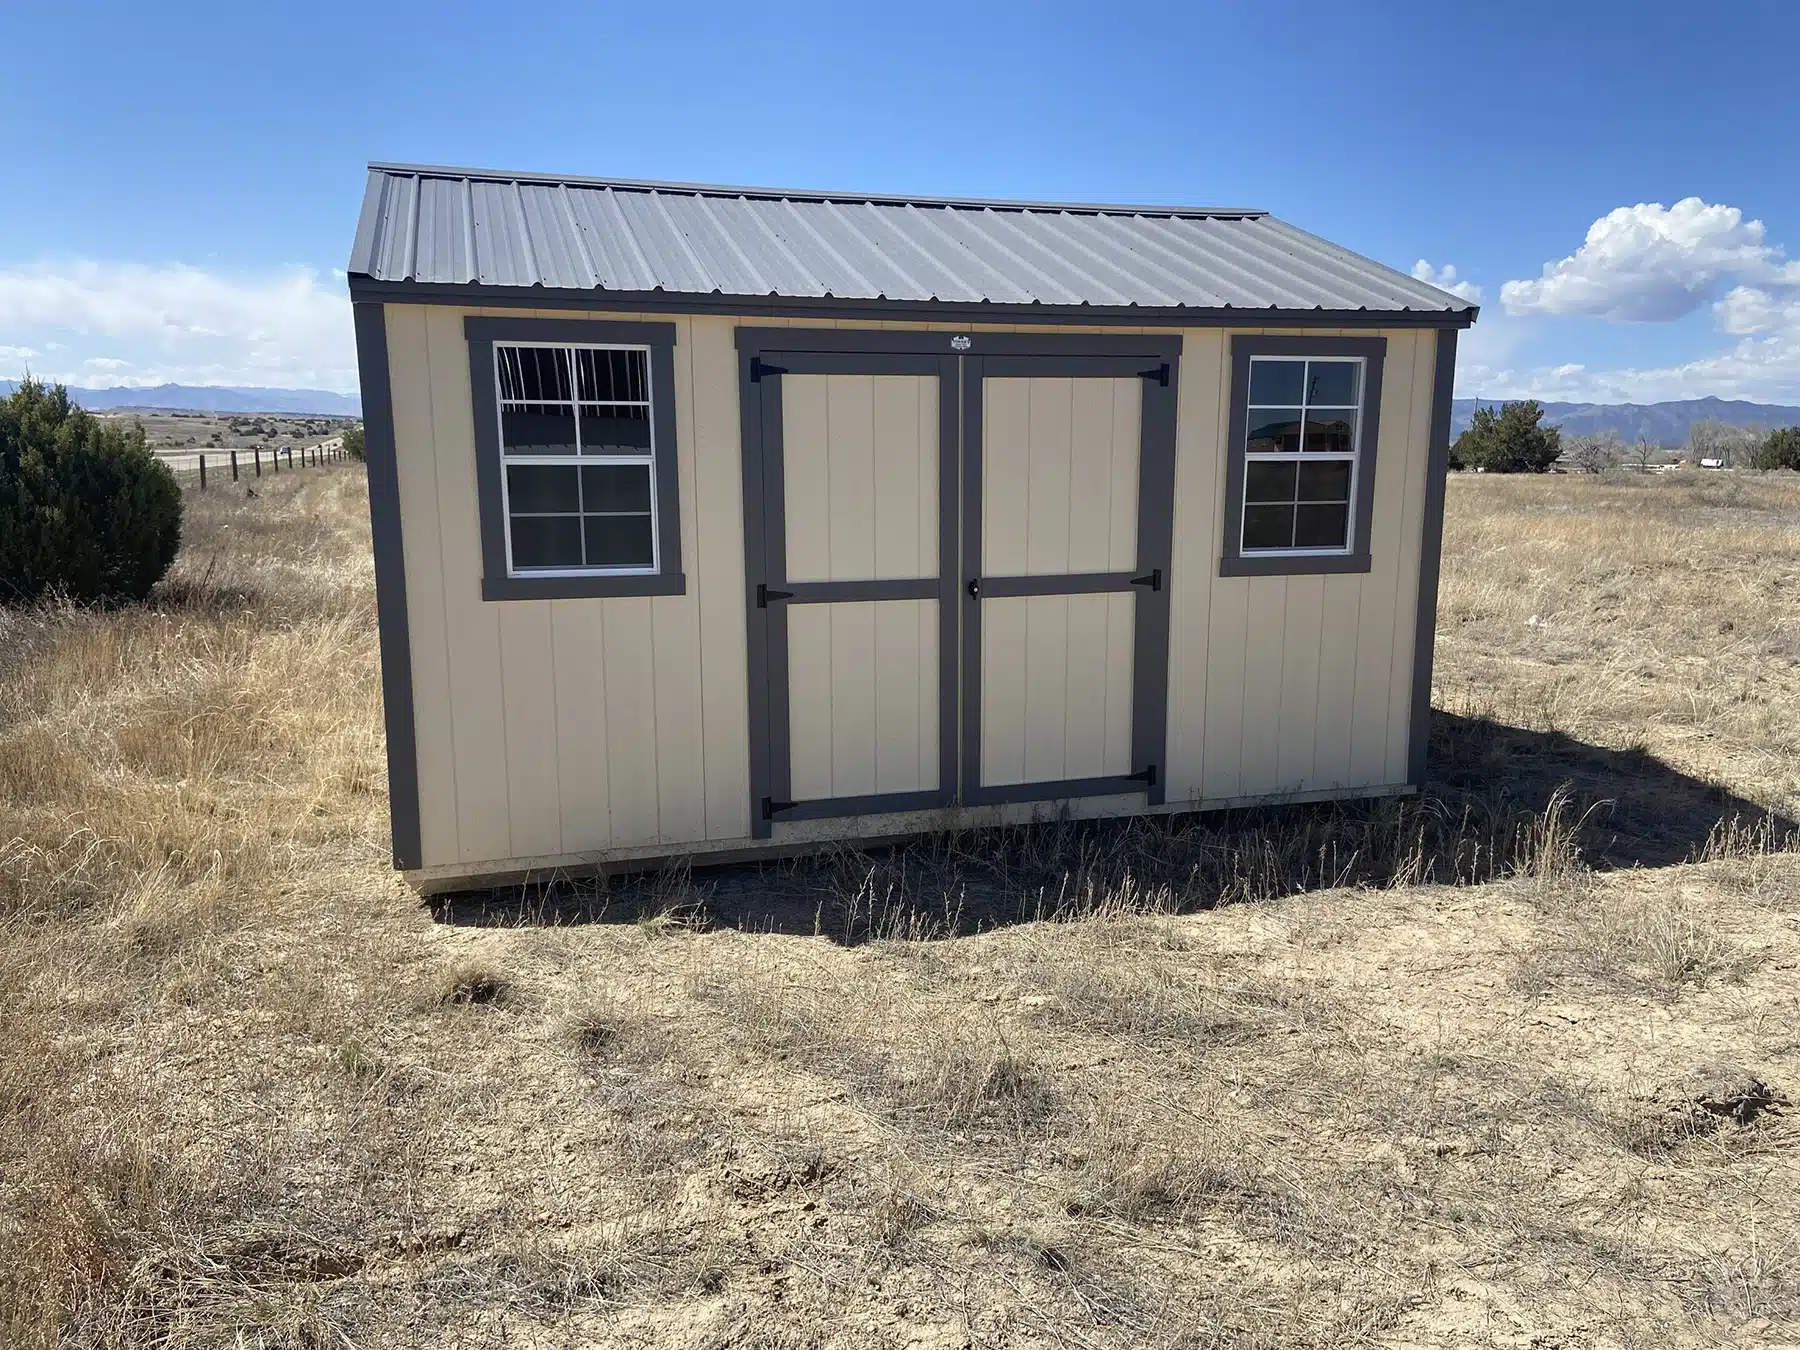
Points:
(1155, 535)
(1153, 346)
(768, 592)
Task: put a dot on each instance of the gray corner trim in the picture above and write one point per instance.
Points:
(1233, 562)
(390, 584)
(836, 592)
(1291, 565)
(1431, 555)
(1058, 583)
(470, 294)
(765, 572)
(496, 581)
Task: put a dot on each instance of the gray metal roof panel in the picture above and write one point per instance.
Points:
(455, 226)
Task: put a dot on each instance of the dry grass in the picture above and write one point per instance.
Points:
(1507, 1065)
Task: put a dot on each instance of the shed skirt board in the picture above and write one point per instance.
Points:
(957, 576)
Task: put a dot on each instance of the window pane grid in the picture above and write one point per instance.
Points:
(1304, 417)
(576, 445)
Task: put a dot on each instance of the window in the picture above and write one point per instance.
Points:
(1300, 477)
(575, 432)
(575, 457)
(1300, 453)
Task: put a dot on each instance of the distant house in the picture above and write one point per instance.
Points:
(715, 520)
(1712, 463)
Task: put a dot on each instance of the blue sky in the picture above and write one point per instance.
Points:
(183, 181)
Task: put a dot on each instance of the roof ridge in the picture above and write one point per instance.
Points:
(811, 194)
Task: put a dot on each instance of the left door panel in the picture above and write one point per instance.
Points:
(853, 603)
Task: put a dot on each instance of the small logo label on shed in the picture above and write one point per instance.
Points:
(959, 343)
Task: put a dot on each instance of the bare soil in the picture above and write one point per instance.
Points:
(1511, 1064)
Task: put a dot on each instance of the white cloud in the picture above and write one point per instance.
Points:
(1445, 279)
(140, 324)
(1650, 263)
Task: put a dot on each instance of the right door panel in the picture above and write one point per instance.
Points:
(1070, 595)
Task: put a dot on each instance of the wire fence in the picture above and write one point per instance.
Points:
(212, 466)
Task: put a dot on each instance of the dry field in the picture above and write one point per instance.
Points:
(169, 430)
(1506, 1065)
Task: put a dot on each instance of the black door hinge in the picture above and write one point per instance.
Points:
(1152, 579)
(1158, 373)
(760, 368)
(764, 595)
(770, 806)
(1147, 777)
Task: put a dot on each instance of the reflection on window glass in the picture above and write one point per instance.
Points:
(579, 476)
(1300, 448)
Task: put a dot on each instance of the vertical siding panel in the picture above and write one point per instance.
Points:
(675, 619)
(1199, 464)
(579, 654)
(1264, 636)
(850, 426)
(631, 722)
(806, 469)
(1046, 506)
(415, 451)
(903, 496)
(1089, 658)
(1228, 628)
(1127, 442)
(1337, 681)
(1300, 676)
(1094, 479)
(852, 710)
(1047, 663)
(1375, 636)
(1005, 472)
(809, 700)
(1003, 674)
(711, 438)
(905, 669)
(1121, 614)
(1406, 595)
(527, 658)
(477, 698)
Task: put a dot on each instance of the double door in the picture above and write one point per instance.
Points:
(957, 553)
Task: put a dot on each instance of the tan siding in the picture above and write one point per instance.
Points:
(716, 545)
(575, 728)
(1198, 484)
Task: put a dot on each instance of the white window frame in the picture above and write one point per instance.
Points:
(1353, 456)
(576, 403)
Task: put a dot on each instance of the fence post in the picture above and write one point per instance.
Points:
(256, 451)
(234, 466)
(290, 450)
(203, 473)
(275, 458)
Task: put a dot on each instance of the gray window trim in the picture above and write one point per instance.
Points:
(391, 623)
(752, 307)
(1431, 556)
(482, 333)
(1233, 562)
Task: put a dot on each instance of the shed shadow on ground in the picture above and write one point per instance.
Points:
(1489, 788)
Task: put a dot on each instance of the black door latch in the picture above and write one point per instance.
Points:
(1152, 579)
(764, 595)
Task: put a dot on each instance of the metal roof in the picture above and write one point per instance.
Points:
(462, 227)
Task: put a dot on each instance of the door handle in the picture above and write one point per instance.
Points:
(974, 588)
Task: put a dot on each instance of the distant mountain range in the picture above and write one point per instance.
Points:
(1663, 423)
(214, 398)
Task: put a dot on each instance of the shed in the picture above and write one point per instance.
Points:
(714, 520)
